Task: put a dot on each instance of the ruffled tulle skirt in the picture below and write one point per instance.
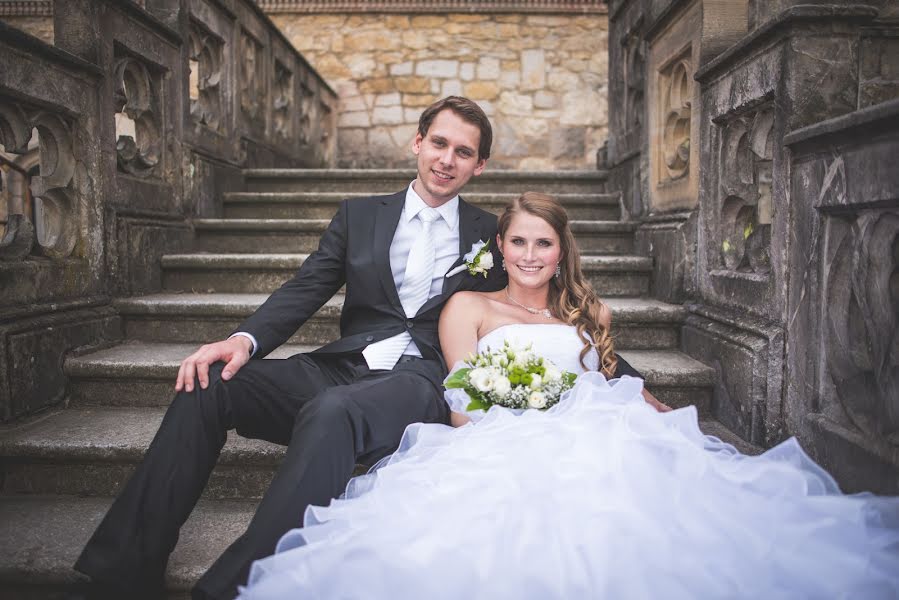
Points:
(599, 497)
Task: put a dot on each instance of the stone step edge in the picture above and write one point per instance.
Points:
(319, 225)
(96, 446)
(476, 197)
(410, 174)
(160, 361)
(274, 261)
(242, 305)
(111, 435)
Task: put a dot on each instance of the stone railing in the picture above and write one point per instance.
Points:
(134, 122)
(753, 143)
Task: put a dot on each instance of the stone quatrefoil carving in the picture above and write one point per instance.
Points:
(634, 67)
(205, 78)
(56, 232)
(138, 149)
(676, 84)
(745, 164)
(863, 323)
(282, 102)
(251, 80)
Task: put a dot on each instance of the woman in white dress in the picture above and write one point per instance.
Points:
(608, 494)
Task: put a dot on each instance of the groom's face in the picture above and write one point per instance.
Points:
(447, 157)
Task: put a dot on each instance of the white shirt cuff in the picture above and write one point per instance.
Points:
(250, 337)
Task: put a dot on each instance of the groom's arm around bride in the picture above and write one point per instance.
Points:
(346, 402)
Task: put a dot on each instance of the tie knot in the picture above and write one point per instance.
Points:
(428, 215)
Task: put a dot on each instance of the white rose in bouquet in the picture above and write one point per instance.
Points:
(482, 379)
(536, 382)
(537, 400)
(551, 373)
(502, 386)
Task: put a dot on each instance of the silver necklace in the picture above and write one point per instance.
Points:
(534, 311)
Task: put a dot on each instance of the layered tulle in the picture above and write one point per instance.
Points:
(599, 497)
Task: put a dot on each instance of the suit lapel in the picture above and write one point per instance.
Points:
(386, 219)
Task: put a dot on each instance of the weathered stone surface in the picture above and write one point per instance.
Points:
(567, 142)
(533, 70)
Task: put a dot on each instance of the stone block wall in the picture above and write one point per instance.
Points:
(542, 79)
(756, 164)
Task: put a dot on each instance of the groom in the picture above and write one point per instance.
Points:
(345, 403)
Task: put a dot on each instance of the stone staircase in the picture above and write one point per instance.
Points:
(60, 469)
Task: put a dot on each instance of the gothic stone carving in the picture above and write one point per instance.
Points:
(56, 230)
(635, 65)
(676, 89)
(282, 102)
(138, 149)
(251, 80)
(863, 324)
(205, 77)
(745, 163)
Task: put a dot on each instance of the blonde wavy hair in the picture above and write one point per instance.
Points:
(571, 297)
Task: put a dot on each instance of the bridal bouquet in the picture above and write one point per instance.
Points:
(514, 377)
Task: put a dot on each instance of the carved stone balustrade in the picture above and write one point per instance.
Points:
(751, 140)
(112, 140)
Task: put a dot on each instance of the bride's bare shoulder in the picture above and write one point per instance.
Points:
(469, 300)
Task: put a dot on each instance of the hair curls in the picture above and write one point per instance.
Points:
(571, 297)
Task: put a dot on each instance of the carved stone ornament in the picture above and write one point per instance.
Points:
(282, 101)
(746, 212)
(205, 77)
(634, 81)
(676, 86)
(308, 114)
(135, 97)
(56, 232)
(251, 81)
(863, 324)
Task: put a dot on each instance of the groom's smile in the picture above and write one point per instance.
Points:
(447, 157)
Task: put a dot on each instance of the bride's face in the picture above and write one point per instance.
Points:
(531, 249)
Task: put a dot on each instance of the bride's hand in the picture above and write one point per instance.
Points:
(459, 419)
(654, 402)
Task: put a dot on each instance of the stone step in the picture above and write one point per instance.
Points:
(42, 536)
(300, 203)
(92, 451)
(378, 181)
(143, 374)
(302, 235)
(135, 373)
(639, 323)
(609, 275)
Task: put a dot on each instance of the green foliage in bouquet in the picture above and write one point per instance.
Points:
(512, 377)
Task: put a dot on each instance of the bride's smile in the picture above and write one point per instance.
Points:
(531, 250)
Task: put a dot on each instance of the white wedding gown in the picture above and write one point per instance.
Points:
(599, 497)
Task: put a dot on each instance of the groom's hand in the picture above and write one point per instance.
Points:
(234, 351)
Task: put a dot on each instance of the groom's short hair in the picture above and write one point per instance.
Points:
(469, 112)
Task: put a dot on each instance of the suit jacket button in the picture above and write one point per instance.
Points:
(369, 338)
(410, 324)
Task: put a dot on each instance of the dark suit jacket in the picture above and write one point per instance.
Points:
(355, 250)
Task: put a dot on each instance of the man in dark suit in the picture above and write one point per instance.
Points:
(347, 402)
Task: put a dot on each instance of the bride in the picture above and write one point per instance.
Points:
(608, 494)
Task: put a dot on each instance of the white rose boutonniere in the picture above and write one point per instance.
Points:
(478, 261)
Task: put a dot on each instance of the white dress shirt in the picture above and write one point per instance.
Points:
(446, 246)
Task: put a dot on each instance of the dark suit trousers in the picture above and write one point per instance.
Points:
(330, 412)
